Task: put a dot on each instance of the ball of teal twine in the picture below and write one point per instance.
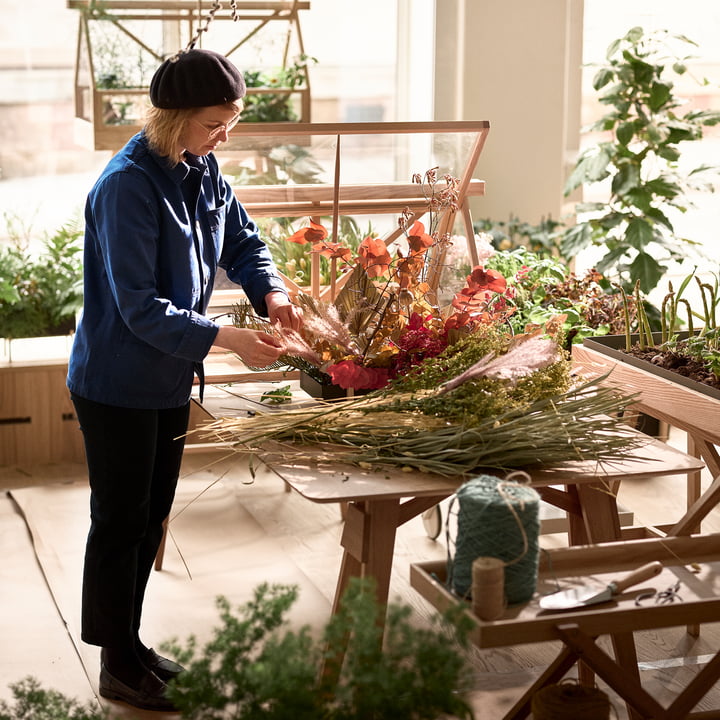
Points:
(497, 518)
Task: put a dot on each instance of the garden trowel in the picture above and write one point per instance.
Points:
(593, 594)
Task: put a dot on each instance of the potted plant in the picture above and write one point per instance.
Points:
(547, 295)
(643, 133)
(275, 106)
(41, 289)
(666, 372)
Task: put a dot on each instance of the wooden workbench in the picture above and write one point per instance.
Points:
(691, 561)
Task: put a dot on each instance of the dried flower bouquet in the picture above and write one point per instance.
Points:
(487, 402)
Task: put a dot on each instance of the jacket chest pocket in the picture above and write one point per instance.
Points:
(216, 226)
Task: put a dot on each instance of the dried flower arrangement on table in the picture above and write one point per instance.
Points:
(452, 389)
(385, 318)
(488, 401)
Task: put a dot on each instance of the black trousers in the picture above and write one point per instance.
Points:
(133, 459)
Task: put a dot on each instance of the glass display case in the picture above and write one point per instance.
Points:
(365, 171)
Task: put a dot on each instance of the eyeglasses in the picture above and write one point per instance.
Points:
(214, 133)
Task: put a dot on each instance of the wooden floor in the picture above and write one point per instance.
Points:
(36, 639)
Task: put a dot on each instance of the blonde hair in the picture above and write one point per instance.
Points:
(163, 128)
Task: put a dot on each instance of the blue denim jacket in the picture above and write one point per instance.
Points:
(154, 237)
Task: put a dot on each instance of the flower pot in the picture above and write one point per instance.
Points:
(320, 390)
(662, 394)
(324, 391)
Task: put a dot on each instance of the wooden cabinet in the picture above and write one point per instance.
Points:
(37, 418)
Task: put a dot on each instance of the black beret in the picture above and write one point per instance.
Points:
(196, 78)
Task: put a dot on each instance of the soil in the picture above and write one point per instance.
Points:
(676, 362)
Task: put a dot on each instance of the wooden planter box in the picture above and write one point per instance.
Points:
(614, 345)
(682, 403)
(670, 397)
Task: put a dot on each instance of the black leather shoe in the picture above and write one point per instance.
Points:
(149, 695)
(165, 669)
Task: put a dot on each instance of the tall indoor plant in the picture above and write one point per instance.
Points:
(644, 130)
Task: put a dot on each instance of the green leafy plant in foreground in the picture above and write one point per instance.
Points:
(255, 667)
(33, 702)
(640, 158)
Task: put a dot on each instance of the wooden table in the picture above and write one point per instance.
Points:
(684, 408)
(578, 629)
(378, 502)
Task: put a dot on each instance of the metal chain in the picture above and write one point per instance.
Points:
(205, 24)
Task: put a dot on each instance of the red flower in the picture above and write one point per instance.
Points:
(348, 374)
(480, 287)
(417, 342)
(458, 320)
(481, 279)
(418, 239)
(333, 250)
(313, 234)
(374, 256)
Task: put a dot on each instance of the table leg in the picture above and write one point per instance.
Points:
(368, 540)
(626, 656)
(709, 499)
(695, 690)
(598, 520)
(615, 675)
(160, 555)
(552, 675)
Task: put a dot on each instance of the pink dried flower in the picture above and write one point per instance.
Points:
(523, 359)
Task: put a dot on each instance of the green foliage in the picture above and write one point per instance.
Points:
(640, 161)
(119, 61)
(275, 107)
(703, 345)
(40, 294)
(547, 295)
(543, 238)
(482, 397)
(32, 702)
(254, 668)
(277, 396)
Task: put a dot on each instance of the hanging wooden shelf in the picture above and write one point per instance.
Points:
(106, 117)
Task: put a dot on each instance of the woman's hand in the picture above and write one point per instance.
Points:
(282, 311)
(254, 348)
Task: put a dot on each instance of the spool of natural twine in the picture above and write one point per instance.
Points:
(570, 701)
(496, 518)
(488, 587)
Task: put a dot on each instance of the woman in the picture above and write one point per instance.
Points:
(159, 221)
